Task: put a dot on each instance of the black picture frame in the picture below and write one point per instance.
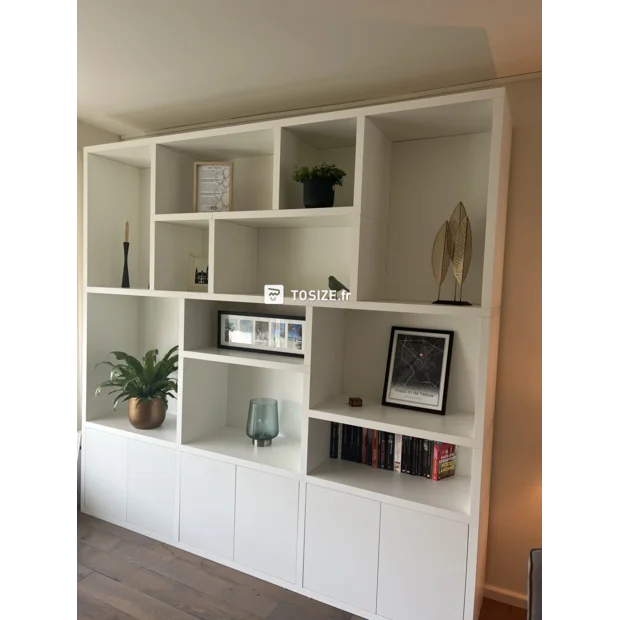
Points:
(425, 343)
(296, 320)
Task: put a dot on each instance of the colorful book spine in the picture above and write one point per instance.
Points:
(375, 448)
(444, 460)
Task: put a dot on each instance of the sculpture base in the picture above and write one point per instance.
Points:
(261, 443)
(452, 303)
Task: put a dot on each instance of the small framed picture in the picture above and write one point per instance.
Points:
(198, 273)
(212, 186)
(281, 335)
(418, 369)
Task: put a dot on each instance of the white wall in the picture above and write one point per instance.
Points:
(83, 135)
(515, 521)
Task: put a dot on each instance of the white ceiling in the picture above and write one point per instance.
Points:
(146, 65)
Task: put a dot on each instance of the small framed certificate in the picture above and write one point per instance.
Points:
(212, 186)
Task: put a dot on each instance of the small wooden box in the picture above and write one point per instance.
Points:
(355, 402)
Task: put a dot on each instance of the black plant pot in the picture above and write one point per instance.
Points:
(318, 192)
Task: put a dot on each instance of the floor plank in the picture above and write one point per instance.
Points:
(90, 608)
(132, 602)
(170, 592)
(123, 575)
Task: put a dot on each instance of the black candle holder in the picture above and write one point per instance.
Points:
(125, 282)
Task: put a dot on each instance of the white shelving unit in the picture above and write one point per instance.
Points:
(197, 482)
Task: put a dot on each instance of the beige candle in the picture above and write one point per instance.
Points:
(126, 232)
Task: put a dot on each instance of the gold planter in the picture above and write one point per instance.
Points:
(148, 414)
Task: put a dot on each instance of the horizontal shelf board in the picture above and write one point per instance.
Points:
(233, 445)
(448, 498)
(119, 423)
(371, 306)
(132, 292)
(249, 358)
(293, 218)
(193, 220)
(456, 428)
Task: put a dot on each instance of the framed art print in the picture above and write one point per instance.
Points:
(212, 186)
(418, 369)
(281, 335)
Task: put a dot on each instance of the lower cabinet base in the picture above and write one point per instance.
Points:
(242, 569)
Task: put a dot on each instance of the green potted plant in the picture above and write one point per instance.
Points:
(319, 183)
(147, 385)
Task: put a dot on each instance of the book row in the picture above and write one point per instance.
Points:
(435, 460)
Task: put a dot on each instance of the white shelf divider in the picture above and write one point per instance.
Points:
(119, 423)
(194, 220)
(449, 498)
(456, 428)
(249, 358)
(234, 446)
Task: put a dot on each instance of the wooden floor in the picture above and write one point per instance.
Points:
(125, 576)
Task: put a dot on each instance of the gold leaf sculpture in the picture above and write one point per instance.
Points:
(442, 253)
(461, 257)
(453, 243)
(458, 215)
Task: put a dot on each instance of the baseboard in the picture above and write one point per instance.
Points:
(510, 597)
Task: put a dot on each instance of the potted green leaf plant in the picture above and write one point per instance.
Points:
(146, 384)
(319, 183)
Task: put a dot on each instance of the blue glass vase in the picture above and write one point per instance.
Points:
(262, 424)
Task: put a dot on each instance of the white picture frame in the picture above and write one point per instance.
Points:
(212, 186)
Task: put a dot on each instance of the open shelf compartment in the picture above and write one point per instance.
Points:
(418, 165)
(133, 325)
(311, 143)
(118, 191)
(250, 152)
(215, 401)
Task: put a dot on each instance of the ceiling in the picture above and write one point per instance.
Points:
(148, 65)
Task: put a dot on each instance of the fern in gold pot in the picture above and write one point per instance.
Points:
(146, 384)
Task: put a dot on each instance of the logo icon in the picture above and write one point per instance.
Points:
(274, 294)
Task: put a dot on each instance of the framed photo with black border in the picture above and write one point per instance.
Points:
(418, 369)
(261, 333)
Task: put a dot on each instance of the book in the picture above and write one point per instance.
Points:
(346, 449)
(333, 445)
(398, 447)
(375, 449)
(404, 462)
(369, 448)
(389, 452)
(382, 455)
(358, 444)
(412, 456)
(444, 460)
(425, 461)
(340, 441)
(420, 457)
(364, 445)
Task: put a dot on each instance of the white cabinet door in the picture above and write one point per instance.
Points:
(151, 486)
(207, 512)
(422, 563)
(341, 546)
(266, 515)
(105, 474)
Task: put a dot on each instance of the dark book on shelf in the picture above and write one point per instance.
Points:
(444, 460)
(420, 457)
(404, 458)
(357, 444)
(346, 439)
(364, 445)
(382, 455)
(389, 450)
(412, 455)
(375, 448)
(333, 446)
(369, 447)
